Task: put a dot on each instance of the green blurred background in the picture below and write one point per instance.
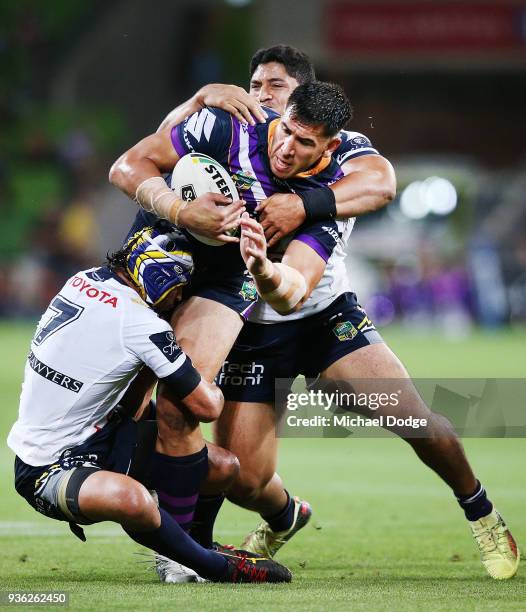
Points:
(440, 89)
(386, 532)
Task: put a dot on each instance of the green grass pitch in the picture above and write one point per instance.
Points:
(386, 534)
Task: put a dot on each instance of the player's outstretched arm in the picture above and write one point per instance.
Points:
(150, 157)
(368, 185)
(235, 100)
(287, 285)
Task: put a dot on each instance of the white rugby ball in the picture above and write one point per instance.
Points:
(196, 174)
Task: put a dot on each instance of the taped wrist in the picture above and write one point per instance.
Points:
(319, 204)
(266, 273)
(289, 292)
(154, 196)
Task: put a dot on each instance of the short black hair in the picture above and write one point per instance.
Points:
(297, 64)
(320, 103)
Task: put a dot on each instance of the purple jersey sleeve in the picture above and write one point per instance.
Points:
(322, 237)
(353, 145)
(208, 131)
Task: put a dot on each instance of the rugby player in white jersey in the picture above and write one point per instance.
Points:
(247, 427)
(79, 456)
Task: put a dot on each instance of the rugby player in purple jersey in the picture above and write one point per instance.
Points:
(208, 322)
(247, 423)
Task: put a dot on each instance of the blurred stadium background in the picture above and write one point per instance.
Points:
(440, 88)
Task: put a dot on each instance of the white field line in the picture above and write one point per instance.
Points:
(33, 529)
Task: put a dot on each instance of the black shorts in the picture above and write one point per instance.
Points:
(123, 447)
(264, 352)
(220, 274)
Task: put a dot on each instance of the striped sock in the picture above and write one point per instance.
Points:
(177, 481)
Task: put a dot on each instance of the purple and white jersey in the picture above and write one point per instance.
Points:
(243, 151)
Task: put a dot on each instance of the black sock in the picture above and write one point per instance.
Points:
(205, 514)
(171, 541)
(476, 505)
(284, 518)
(177, 481)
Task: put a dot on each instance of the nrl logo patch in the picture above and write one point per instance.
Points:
(243, 181)
(345, 331)
(248, 290)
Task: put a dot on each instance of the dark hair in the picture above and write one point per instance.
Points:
(319, 103)
(296, 63)
(117, 260)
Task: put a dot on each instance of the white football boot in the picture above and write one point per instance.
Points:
(172, 572)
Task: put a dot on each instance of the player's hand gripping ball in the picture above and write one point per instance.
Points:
(196, 174)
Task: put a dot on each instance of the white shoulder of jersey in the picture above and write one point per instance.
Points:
(98, 280)
(354, 144)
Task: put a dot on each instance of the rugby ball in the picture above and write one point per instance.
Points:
(196, 174)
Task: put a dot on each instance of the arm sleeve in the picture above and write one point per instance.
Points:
(353, 144)
(184, 380)
(152, 341)
(208, 131)
(322, 237)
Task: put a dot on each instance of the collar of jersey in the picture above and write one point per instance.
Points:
(319, 167)
(104, 273)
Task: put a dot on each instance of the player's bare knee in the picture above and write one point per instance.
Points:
(249, 485)
(223, 470)
(139, 510)
(227, 470)
(438, 434)
(232, 469)
(440, 428)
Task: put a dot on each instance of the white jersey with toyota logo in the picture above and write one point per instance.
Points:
(89, 345)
